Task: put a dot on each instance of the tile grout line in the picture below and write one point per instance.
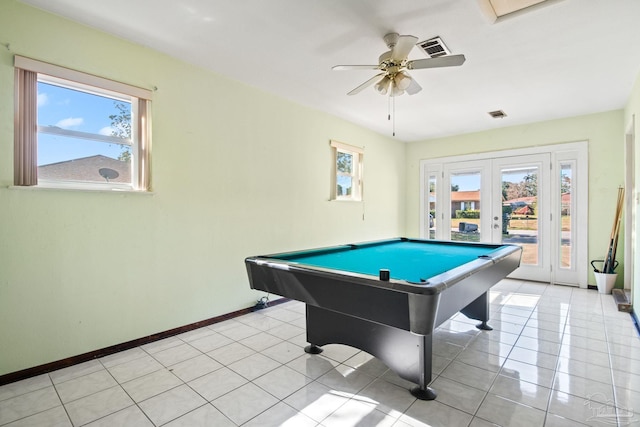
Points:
(210, 402)
(501, 367)
(617, 406)
(555, 370)
(125, 391)
(64, 407)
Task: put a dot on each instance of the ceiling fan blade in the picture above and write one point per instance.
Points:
(355, 67)
(366, 84)
(413, 87)
(441, 61)
(403, 47)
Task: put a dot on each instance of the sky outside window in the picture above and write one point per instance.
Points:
(74, 110)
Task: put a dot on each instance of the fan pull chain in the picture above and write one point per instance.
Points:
(391, 106)
(394, 116)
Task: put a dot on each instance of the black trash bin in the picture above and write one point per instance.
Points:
(466, 227)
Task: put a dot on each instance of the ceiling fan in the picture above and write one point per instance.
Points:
(394, 79)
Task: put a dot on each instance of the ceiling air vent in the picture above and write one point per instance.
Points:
(498, 114)
(434, 47)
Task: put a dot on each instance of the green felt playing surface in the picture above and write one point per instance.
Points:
(406, 260)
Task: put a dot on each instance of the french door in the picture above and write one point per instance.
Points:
(521, 211)
(524, 198)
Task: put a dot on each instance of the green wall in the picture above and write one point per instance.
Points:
(236, 172)
(605, 136)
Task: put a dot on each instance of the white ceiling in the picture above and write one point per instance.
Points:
(568, 58)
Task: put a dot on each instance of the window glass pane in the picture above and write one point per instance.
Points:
(70, 110)
(60, 148)
(81, 160)
(345, 184)
(76, 110)
(344, 162)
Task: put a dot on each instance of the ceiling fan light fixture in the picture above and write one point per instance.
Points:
(396, 91)
(402, 80)
(382, 87)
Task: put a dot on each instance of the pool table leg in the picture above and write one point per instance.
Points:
(405, 353)
(312, 349)
(484, 326)
(426, 394)
(422, 391)
(479, 309)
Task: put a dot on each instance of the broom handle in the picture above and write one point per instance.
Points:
(618, 222)
(609, 258)
(613, 244)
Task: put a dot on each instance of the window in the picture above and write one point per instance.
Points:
(347, 176)
(74, 130)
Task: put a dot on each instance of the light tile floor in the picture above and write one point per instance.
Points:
(557, 356)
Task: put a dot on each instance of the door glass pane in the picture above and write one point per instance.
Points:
(431, 209)
(465, 206)
(520, 211)
(566, 170)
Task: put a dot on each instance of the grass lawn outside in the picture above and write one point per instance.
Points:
(516, 223)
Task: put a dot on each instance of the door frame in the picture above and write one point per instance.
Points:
(558, 152)
(630, 224)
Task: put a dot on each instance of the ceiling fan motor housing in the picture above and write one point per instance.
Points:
(385, 57)
(391, 39)
(388, 65)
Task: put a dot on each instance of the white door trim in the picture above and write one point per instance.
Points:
(629, 213)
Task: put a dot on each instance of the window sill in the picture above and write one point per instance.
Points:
(76, 189)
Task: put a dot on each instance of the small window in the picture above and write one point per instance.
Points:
(347, 176)
(86, 133)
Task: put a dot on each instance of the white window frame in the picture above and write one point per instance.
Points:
(357, 154)
(140, 141)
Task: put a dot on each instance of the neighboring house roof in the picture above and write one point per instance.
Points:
(92, 168)
(465, 196)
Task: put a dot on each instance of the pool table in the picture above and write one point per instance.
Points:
(387, 297)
